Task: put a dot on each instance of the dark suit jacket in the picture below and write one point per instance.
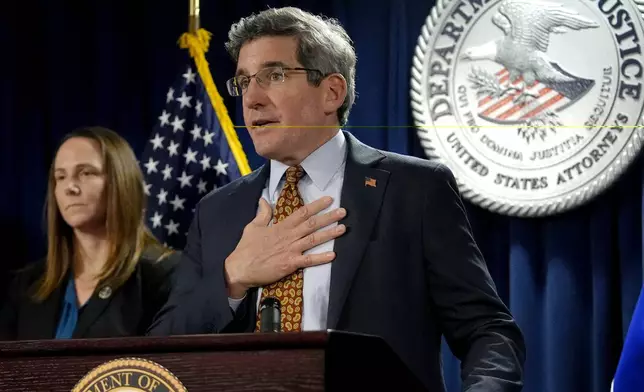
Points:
(408, 270)
(129, 311)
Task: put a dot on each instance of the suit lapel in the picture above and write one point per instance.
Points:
(363, 190)
(244, 209)
(43, 316)
(245, 198)
(92, 310)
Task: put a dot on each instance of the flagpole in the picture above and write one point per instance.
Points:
(193, 23)
(197, 41)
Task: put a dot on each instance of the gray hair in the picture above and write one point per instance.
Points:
(323, 44)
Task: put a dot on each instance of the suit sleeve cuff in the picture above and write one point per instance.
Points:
(234, 303)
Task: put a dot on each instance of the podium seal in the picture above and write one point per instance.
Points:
(129, 375)
(535, 105)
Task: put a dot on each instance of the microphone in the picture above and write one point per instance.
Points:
(270, 311)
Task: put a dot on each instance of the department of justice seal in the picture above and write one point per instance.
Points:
(536, 106)
(129, 375)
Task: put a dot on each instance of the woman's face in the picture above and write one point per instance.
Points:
(79, 177)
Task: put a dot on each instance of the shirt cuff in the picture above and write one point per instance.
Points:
(234, 303)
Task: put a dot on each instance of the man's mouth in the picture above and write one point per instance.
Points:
(263, 123)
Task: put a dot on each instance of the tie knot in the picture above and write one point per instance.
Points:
(294, 173)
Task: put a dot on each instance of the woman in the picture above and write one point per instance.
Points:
(105, 275)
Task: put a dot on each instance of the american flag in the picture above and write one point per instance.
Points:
(187, 156)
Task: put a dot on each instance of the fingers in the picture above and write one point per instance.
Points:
(315, 223)
(264, 213)
(304, 261)
(307, 211)
(319, 237)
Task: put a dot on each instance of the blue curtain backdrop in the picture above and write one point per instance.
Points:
(571, 281)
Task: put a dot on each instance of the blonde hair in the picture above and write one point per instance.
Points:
(126, 231)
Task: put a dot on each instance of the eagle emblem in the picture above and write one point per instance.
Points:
(537, 106)
(529, 87)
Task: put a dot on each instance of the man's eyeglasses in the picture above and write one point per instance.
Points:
(272, 75)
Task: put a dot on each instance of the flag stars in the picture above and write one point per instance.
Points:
(163, 194)
(207, 138)
(177, 124)
(156, 220)
(172, 227)
(167, 172)
(189, 76)
(184, 100)
(221, 167)
(191, 156)
(177, 203)
(196, 133)
(185, 179)
(202, 188)
(157, 142)
(164, 118)
(151, 166)
(205, 162)
(171, 182)
(172, 148)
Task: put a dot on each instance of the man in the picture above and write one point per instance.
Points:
(401, 265)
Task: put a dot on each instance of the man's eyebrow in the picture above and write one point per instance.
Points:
(273, 64)
(265, 64)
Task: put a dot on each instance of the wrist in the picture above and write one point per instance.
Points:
(236, 289)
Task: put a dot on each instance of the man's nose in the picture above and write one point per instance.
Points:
(255, 95)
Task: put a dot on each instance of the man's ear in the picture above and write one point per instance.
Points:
(335, 90)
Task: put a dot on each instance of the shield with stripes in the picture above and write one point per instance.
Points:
(514, 102)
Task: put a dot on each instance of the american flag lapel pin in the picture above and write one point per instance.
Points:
(368, 181)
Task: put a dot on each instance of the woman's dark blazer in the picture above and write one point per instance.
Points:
(127, 311)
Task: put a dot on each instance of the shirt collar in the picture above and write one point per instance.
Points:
(320, 165)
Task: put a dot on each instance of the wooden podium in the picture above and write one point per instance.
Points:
(309, 361)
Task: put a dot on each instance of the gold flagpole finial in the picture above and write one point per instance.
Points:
(193, 24)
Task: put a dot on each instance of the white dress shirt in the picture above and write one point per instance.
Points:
(324, 175)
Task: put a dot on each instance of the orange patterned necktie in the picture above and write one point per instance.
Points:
(288, 290)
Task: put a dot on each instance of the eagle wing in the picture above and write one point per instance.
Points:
(533, 21)
(501, 21)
